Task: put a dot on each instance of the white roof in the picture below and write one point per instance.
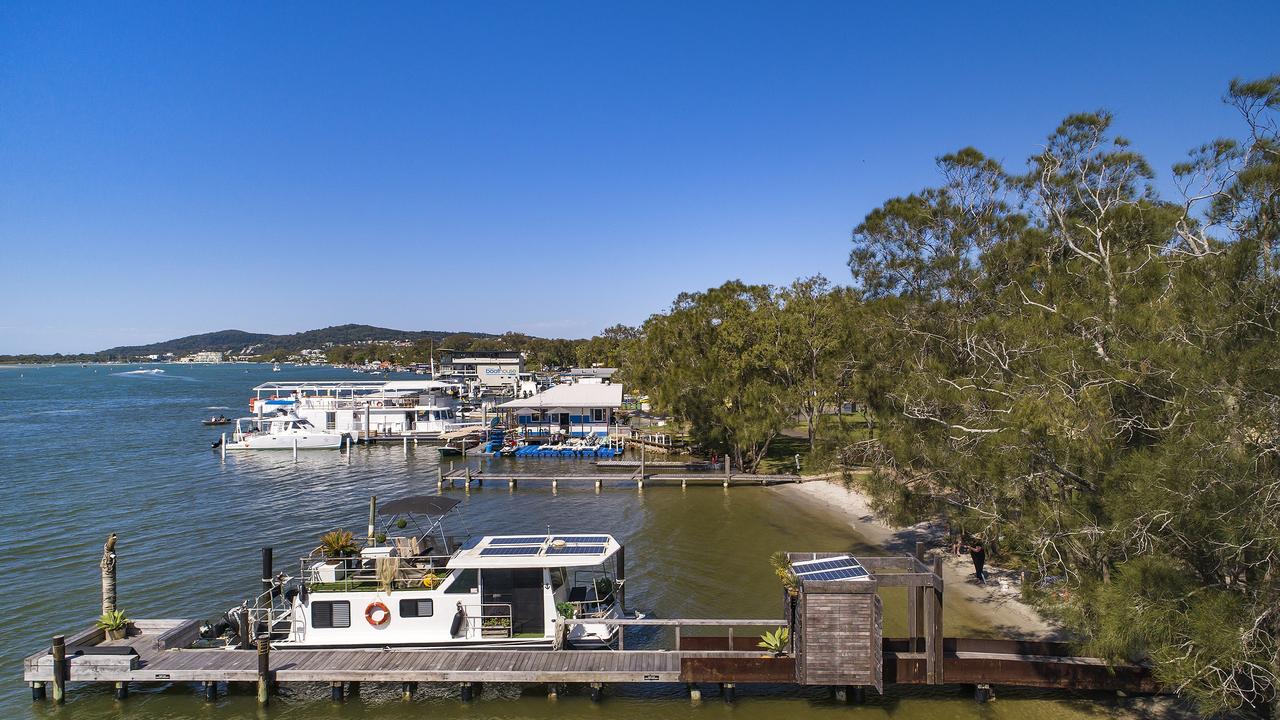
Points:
(536, 551)
(571, 396)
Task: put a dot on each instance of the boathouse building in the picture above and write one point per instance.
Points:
(578, 410)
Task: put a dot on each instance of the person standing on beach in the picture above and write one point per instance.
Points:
(979, 555)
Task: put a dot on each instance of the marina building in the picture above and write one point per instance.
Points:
(487, 367)
(576, 410)
(205, 356)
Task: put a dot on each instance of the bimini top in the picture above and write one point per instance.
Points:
(535, 551)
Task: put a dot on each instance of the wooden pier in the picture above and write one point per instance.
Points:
(467, 477)
(836, 642)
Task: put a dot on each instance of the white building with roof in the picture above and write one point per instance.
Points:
(577, 410)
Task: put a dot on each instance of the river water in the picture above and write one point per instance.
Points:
(87, 451)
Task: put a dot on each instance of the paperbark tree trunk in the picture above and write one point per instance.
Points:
(108, 566)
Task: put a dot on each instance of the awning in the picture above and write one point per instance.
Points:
(421, 504)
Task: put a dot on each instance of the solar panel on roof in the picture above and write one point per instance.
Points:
(522, 540)
(583, 539)
(511, 550)
(577, 550)
(842, 567)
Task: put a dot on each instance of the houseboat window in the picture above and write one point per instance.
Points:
(418, 607)
(466, 581)
(557, 578)
(334, 614)
(597, 414)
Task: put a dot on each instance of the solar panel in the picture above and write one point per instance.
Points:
(522, 540)
(582, 539)
(841, 567)
(512, 550)
(577, 550)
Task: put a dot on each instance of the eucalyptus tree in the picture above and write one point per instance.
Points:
(1088, 372)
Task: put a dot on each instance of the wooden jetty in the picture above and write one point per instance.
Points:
(466, 477)
(704, 465)
(836, 642)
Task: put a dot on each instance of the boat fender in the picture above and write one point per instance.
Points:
(459, 622)
(377, 614)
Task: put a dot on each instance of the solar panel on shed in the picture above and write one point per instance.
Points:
(841, 567)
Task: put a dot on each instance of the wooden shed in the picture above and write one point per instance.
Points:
(838, 620)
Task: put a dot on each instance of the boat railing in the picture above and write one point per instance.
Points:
(489, 620)
(377, 572)
(730, 625)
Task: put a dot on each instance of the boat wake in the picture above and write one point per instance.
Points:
(153, 371)
(217, 407)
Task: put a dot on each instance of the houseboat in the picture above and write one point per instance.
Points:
(417, 589)
(365, 410)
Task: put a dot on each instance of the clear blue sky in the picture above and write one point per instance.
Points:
(174, 168)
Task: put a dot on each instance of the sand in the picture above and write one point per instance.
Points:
(996, 606)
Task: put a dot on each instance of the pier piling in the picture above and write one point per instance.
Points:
(466, 692)
(264, 670)
(37, 691)
(222, 447)
(335, 691)
(597, 692)
(295, 450)
(695, 694)
(59, 652)
(407, 690)
(122, 690)
(210, 691)
(729, 692)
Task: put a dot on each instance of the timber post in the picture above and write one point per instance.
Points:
(108, 565)
(728, 470)
(210, 691)
(59, 653)
(439, 477)
(373, 514)
(335, 691)
(264, 670)
(915, 609)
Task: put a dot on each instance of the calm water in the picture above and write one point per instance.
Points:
(90, 451)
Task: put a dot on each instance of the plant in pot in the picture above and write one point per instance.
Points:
(782, 568)
(114, 624)
(776, 642)
(336, 546)
(566, 609)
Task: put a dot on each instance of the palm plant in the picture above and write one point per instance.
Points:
(782, 568)
(338, 544)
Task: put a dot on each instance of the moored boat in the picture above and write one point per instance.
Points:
(281, 431)
(426, 589)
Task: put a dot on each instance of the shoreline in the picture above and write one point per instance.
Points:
(997, 606)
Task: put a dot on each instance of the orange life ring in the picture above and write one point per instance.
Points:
(379, 404)
(375, 607)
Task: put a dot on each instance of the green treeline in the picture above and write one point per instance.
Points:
(1061, 359)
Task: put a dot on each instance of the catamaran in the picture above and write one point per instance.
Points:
(424, 589)
(280, 431)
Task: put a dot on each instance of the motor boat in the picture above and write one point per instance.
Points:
(217, 420)
(282, 431)
(424, 589)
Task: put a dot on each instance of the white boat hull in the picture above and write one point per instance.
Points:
(310, 441)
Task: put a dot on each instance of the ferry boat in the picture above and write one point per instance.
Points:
(280, 431)
(418, 590)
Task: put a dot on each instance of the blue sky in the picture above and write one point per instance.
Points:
(174, 168)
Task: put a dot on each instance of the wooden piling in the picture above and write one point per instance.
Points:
(440, 477)
(37, 691)
(222, 446)
(122, 690)
(407, 689)
(465, 692)
(108, 567)
(295, 450)
(264, 670)
(59, 652)
(335, 691)
(915, 610)
(210, 691)
(728, 691)
(695, 694)
(597, 692)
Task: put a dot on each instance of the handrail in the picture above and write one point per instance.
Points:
(562, 623)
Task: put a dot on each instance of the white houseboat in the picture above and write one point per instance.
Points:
(416, 409)
(416, 590)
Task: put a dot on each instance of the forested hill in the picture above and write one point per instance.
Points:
(239, 341)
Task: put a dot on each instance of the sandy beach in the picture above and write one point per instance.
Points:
(993, 610)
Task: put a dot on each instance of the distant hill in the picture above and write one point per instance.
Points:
(239, 341)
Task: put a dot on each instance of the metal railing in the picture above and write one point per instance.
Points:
(563, 624)
(489, 620)
(360, 573)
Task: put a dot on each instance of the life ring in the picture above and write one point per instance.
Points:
(377, 614)
(379, 403)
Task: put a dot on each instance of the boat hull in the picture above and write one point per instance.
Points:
(286, 442)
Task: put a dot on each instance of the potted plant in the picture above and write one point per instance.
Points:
(776, 642)
(566, 609)
(336, 546)
(114, 624)
(782, 568)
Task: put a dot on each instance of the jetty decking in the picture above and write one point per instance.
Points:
(467, 476)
